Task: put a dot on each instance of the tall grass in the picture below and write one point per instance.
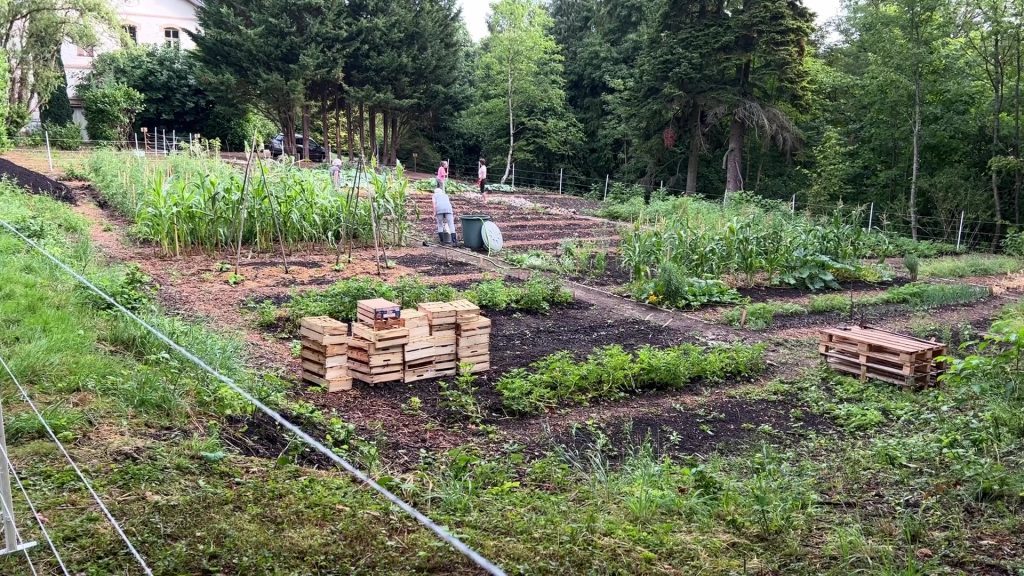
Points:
(184, 202)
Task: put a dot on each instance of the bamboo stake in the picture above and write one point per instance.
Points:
(241, 220)
(273, 211)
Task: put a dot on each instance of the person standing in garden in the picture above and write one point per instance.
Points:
(445, 217)
(481, 174)
(442, 175)
(336, 172)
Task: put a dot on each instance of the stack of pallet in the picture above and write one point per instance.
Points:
(325, 353)
(377, 348)
(882, 355)
(419, 351)
(442, 317)
(473, 333)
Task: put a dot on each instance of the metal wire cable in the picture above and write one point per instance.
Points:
(81, 476)
(35, 514)
(441, 533)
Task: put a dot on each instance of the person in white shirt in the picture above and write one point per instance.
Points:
(445, 217)
(481, 174)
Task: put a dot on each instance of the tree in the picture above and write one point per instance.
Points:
(273, 52)
(57, 109)
(828, 179)
(520, 86)
(110, 111)
(32, 32)
(169, 80)
(4, 105)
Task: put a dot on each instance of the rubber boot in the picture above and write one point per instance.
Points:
(455, 239)
(446, 238)
(440, 237)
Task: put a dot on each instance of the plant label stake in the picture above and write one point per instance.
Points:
(960, 230)
(49, 156)
(871, 216)
(241, 220)
(10, 529)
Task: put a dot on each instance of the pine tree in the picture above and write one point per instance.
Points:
(57, 110)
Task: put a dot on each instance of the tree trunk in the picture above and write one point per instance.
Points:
(362, 131)
(305, 132)
(326, 127)
(385, 147)
(373, 134)
(394, 139)
(1016, 132)
(288, 123)
(337, 127)
(348, 129)
(694, 163)
(916, 162)
(511, 125)
(734, 157)
(997, 110)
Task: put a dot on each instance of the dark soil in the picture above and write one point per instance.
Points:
(431, 265)
(728, 426)
(614, 274)
(35, 181)
(574, 204)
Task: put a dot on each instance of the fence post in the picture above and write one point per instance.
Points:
(561, 171)
(174, 139)
(10, 530)
(606, 176)
(136, 136)
(871, 216)
(163, 133)
(49, 156)
(960, 230)
(792, 205)
(513, 176)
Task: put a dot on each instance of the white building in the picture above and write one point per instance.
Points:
(154, 22)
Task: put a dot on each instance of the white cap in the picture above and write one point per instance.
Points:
(337, 162)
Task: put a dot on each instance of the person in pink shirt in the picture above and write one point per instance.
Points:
(442, 174)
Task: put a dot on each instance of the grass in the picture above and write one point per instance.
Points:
(916, 295)
(760, 316)
(970, 265)
(885, 481)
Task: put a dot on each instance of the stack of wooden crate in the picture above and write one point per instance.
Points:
(377, 348)
(882, 355)
(473, 336)
(442, 318)
(419, 351)
(325, 353)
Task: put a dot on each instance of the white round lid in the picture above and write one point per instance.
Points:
(492, 236)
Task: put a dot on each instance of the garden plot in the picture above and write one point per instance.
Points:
(523, 227)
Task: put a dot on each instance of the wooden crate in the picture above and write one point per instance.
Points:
(334, 385)
(422, 370)
(464, 309)
(376, 310)
(309, 354)
(417, 323)
(375, 375)
(323, 331)
(382, 338)
(441, 315)
(474, 325)
(882, 355)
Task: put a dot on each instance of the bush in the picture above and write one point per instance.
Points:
(17, 118)
(1013, 244)
(110, 111)
(610, 372)
(64, 137)
(913, 266)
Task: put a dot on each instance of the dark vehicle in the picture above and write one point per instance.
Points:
(316, 151)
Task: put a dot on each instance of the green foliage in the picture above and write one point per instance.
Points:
(830, 174)
(110, 111)
(913, 266)
(970, 265)
(5, 108)
(759, 316)
(537, 294)
(673, 288)
(1013, 244)
(57, 110)
(521, 90)
(830, 303)
(64, 136)
(611, 372)
(459, 397)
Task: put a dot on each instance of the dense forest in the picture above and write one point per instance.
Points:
(914, 105)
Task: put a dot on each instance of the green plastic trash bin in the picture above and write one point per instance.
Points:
(471, 227)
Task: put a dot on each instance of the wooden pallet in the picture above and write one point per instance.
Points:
(882, 355)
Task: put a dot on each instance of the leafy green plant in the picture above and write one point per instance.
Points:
(235, 279)
(1013, 244)
(459, 397)
(760, 316)
(913, 266)
(970, 265)
(610, 372)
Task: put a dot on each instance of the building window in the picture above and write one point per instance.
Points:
(172, 37)
(132, 33)
(88, 52)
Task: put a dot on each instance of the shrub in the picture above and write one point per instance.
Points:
(459, 397)
(1013, 244)
(913, 266)
(110, 110)
(64, 137)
